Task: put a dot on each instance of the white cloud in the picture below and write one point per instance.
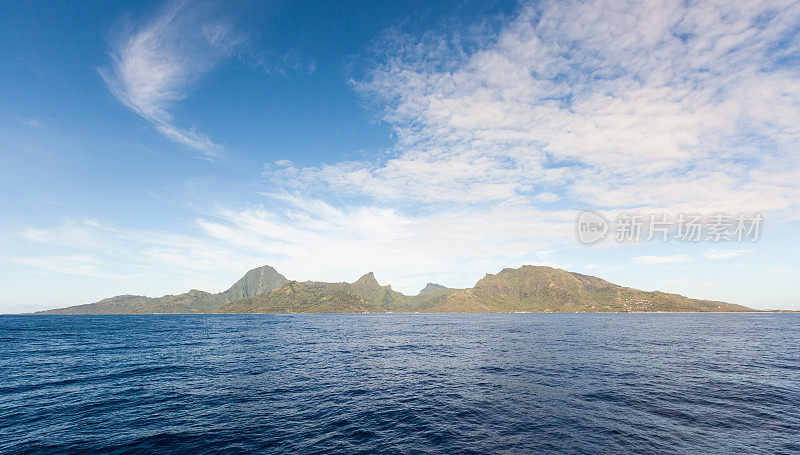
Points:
(306, 238)
(29, 122)
(666, 105)
(546, 197)
(154, 65)
(657, 260)
(81, 264)
(714, 255)
(311, 239)
(92, 249)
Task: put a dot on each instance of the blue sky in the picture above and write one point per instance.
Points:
(154, 147)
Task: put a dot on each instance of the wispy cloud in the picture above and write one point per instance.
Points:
(29, 122)
(80, 264)
(88, 248)
(306, 238)
(604, 103)
(401, 247)
(658, 260)
(715, 254)
(154, 64)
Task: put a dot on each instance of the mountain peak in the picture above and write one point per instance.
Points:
(367, 281)
(257, 281)
(524, 289)
(433, 287)
(261, 270)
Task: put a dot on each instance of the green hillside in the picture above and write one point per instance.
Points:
(254, 282)
(365, 295)
(526, 289)
(545, 289)
(294, 297)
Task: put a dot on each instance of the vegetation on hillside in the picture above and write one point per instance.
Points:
(255, 282)
(545, 289)
(526, 289)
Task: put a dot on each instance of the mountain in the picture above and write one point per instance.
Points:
(433, 287)
(545, 289)
(308, 297)
(526, 289)
(365, 295)
(254, 282)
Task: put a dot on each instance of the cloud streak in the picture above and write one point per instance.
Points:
(610, 104)
(306, 238)
(154, 65)
(658, 260)
(717, 254)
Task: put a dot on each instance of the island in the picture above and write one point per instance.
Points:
(533, 289)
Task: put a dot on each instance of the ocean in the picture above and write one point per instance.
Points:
(401, 383)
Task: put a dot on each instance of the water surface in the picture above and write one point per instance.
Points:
(503, 383)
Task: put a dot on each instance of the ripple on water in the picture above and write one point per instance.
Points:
(689, 383)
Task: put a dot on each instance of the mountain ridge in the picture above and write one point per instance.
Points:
(255, 282)
(525, 289)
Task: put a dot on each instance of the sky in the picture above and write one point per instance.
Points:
(155, 147)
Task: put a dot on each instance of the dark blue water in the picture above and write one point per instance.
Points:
(526, 383)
